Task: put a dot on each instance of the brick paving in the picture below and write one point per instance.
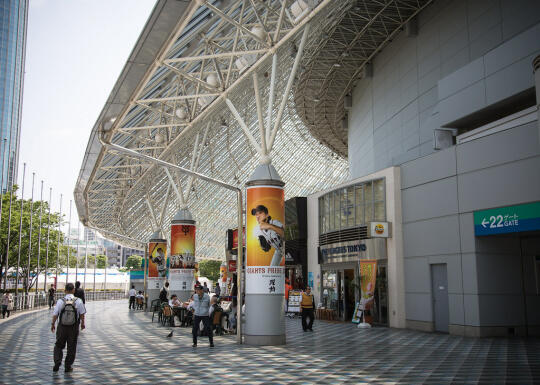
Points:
(121, 346)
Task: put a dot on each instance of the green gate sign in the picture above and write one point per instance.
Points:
(510, 219)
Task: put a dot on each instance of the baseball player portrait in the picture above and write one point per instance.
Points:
(270, 233)
(159, 260)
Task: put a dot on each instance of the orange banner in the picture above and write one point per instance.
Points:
(265, 235)
(368, 276)
(265, 226)
(182, 246)
(157, 264)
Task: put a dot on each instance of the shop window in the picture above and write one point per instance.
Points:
(380, 214)
(368, 215)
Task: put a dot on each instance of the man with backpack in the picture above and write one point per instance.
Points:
(69, 311)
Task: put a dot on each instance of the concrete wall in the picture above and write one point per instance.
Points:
(467, 55)
(439, 194)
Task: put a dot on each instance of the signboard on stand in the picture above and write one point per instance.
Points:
(295, 299)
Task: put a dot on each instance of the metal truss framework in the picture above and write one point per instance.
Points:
(218, 100)
(338, 61)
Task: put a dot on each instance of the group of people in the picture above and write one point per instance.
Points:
(136, 299)
(204, 313)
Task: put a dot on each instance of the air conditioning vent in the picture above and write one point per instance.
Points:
(346, 235)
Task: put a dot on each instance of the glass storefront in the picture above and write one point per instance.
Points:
(352, 206)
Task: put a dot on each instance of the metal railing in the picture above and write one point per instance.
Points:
(37, 300)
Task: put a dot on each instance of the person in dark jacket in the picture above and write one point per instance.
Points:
(164, 293)
(79, 292)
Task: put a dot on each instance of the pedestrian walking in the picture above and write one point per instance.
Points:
(308, 306)
(7, 304)
(206, 289)
(52, 292)
(70, 312)
(79, 292)
(217, 289)
(201, 308)
(132, 294)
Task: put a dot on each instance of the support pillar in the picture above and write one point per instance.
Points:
(265, 261)
(182, 259)
(157, 265)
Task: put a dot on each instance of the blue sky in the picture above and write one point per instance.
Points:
(75, 51)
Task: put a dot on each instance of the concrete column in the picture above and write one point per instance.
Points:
(182, 256)
(157, 247)
(265, 261)
(536, 67)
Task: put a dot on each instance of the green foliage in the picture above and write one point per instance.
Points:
(134, 261)
(91, 261)
(9, 233)
(209, 268)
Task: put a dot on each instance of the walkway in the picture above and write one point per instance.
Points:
(121, 346)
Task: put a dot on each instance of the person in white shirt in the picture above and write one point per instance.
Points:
(70, 312)
(132, 294)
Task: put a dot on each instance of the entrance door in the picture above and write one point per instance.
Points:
(348, 300)
(439, 290)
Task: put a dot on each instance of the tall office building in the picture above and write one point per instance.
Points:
(13, 20)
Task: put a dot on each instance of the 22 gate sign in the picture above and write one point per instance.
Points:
(510, 219)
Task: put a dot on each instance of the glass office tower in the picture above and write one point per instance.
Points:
(13, 20)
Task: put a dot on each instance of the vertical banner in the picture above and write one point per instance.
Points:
(182, 260)
(157, 264)
(368, 275)
(265, 262)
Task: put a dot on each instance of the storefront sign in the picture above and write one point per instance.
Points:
(510, 219)
(379, 230)
(353, 251)
(295, 299)
(265, 262)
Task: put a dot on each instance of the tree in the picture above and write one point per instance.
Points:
(209, 268)
(134, 261)
(27, 248)
(91, 261)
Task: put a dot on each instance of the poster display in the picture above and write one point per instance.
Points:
(295, 299)
(157, 264)
(265, 262)
(182, 260)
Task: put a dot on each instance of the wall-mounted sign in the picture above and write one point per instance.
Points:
(353, 251)
(232, 266)
(379, 230)
(509, 219)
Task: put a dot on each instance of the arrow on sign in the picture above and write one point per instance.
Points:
(484, 222)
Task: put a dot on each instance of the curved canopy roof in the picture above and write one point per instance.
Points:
(215, 87)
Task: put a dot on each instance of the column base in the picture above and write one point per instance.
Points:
(265, 340)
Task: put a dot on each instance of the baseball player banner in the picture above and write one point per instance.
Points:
(265, 234)
(157, 264)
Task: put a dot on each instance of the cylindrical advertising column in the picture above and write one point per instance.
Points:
(182, 260)
(157, 265)
(265, 262)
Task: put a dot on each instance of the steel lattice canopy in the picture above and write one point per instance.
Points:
(194, 66)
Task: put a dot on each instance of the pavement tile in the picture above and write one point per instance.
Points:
(124, 347)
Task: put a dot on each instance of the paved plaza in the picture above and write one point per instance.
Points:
(121, 346)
